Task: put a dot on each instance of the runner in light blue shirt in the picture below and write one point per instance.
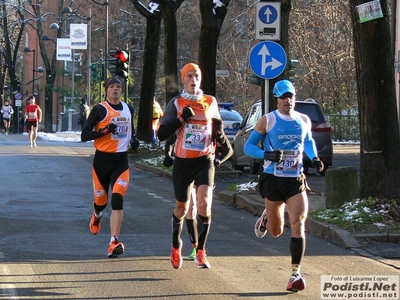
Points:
(285, 134)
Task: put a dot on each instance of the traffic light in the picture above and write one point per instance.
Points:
(95, 71)
(112, 62)
(293, 64)
(255, 79)
(122, 64)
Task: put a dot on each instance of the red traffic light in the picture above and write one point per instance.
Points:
(121, 55)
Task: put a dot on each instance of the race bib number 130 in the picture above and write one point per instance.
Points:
(289, 166)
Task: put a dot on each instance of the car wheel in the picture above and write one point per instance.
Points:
(254, 166)
(235, 166)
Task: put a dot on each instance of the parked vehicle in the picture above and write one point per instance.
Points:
(232, 119)
(321, 131)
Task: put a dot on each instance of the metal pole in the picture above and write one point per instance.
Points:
(100, 85)
(126, 79)
(106, 40)
(73, 79)
(33, 71)
(266, 96)
(89, 78)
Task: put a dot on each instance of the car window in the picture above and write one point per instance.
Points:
(312, 111)
(232, 115)
(253, 116)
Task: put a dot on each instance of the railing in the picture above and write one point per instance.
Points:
(69, 121)
(344, 127)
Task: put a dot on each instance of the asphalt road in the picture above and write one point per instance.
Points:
(47, 251)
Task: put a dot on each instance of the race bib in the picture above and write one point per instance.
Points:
(196, 137)
(290, 164)
(122, 128)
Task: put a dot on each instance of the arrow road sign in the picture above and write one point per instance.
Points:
(268, 21)
(268, 14)
(268, 59)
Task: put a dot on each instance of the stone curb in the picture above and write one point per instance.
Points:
(342, 237)
(153, 169)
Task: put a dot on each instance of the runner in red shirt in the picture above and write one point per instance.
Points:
(34, 114)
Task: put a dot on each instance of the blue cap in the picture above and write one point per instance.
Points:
(283, 87)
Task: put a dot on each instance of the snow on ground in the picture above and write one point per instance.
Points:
(65, 136)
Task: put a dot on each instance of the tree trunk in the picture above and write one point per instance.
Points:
(152, 42)
(145, 115)
(168, 9)
(286, 6)
(212, 18)
(379, 128)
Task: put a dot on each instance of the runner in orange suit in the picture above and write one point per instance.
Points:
(195, 119)
(110, 125)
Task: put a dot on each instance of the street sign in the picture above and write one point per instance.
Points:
(18, 96)
(268, 59)
(268, 21)
(369, 11)
(222, 73)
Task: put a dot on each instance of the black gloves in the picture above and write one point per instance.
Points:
(217, 128)
(187, 113)
(134, 143)
(110, 128)
(274, 156)
(168, 161)
(317, 164)
(217, 162)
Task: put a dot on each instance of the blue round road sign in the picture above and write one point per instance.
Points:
(18, 96)
(268, 59)
(268, 14)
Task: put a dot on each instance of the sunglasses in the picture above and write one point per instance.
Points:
(285, 96)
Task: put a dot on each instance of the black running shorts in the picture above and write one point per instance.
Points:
(281, 188)
(32, 123)
(187, 171)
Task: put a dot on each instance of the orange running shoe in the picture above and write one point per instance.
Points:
(95, 224)
(176, 257)
(296, 283)
(116, 248)
(201, 260)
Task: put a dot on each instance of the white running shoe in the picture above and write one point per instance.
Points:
(296, 283)
(260, 228)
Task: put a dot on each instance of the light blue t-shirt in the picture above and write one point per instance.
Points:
(289, 133)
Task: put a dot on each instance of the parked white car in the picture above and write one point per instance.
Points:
(232, 119)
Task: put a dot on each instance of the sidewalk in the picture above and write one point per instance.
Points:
(253, 203)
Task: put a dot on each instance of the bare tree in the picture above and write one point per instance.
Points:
(169, 9)
(13, 24)
(50, 63)
(212, 17)
(379, 127)
(153, 27)
(321, 39)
